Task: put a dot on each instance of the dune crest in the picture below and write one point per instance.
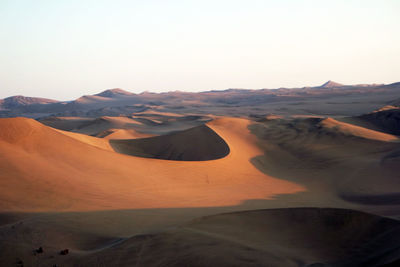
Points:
(122, 134)
(68, 174)
(90, 140)
(358, 131)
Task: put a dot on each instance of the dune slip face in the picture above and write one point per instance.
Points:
(195, 144)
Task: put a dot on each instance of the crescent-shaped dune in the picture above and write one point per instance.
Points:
(44, 169)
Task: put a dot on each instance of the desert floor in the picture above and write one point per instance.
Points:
(166, 189)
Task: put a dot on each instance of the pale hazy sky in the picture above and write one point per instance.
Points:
(64, 49)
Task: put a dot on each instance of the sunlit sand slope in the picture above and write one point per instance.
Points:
(350, 129)
(122, 134)
(44, 169)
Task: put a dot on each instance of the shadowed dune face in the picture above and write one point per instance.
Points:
(342, 165)
(386, 119)
(65, 123)
(281, 237)
(45, 169)
(274, 237)
(353, 130)
(195, 144)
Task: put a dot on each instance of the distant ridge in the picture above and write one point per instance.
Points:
(115, 102)
(114, 93)
(331, 84)
(19, 100)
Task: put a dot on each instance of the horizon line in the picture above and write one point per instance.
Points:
(210, 90)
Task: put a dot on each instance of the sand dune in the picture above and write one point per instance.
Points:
(133, 210)
(161, 180)
(122, 134)
(121, 120)
(65, 123)
(280, 237)
(159, 113)
(195, 144)
(340, 165)
(106, 123)
(274, 237)
(90, 140)
(44, 169)
(388, 107)
(160, 123)
(146, 123)
(90, 126)
(349, 129)
(78, 172)
(386, 119)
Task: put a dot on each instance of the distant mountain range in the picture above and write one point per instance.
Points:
(114, 102)
(19, 100)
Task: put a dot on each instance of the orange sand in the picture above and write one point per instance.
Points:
(45, 169)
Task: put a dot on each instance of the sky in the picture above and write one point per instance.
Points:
(68, 48)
